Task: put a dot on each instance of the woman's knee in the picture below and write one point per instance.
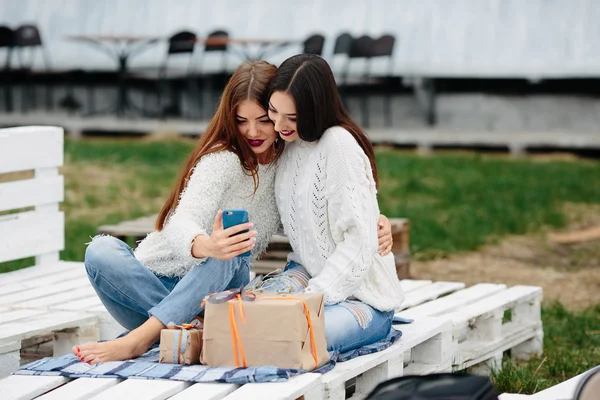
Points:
(103, 252)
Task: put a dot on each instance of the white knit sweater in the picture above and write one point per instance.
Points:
(217, 182)
(327, 200)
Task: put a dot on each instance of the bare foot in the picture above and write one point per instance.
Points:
(127, 347)
(114, 350)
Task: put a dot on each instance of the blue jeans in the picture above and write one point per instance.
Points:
(348, 325)
(132, 293)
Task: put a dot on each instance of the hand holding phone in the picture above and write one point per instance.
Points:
(226, 243)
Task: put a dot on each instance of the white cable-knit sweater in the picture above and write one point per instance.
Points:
(217, 182)
(327, 200)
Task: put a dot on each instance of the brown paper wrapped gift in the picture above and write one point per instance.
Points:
(282, 330)
(180, 344)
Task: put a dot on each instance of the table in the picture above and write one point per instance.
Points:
(262, 46)
(122, 48)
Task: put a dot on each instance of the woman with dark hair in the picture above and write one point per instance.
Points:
(189, 255)
(326, 191)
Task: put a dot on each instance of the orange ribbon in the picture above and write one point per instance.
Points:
(236, 342)
(182, 327)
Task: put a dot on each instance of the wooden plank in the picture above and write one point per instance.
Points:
(14, 299)
(502, 300)
(7, 315)
(37, 271)
(290, 390)
(430, 292)
(454, 300)
(45, 323)
(473, 352)
(18, 154)
(205, 391)
(46, 280)
(142, 389)
(25, 387)
(31, 192)
(81, 389)
(408, 285)
(31, 233)
(47, 302)
(81, 305)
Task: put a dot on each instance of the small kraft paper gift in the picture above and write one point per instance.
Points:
(180, 344)
(264, 329)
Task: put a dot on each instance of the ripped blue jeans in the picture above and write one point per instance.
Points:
(348, 325)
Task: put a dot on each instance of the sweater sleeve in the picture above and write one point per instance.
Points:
(200, 201)
(351, 205)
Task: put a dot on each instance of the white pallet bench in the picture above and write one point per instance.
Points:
(480, 331)
(33, 225)
(428, 342)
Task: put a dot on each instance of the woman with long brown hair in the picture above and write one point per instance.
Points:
(190, 255)
(326, 191)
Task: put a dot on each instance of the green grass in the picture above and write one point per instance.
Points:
(455, 203)
(571, 346)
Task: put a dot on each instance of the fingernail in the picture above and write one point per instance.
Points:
(78, 350)
(89, 362)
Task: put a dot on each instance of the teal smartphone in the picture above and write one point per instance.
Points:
(233, 218)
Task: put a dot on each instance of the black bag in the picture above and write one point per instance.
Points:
(435, 387)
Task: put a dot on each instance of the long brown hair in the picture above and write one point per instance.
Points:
(310, 81)
(250, 81)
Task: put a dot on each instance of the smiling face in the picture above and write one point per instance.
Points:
(254, 125)
(282, 111)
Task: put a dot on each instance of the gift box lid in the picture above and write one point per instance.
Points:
(271, 317)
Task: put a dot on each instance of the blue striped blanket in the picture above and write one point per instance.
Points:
(148, 367)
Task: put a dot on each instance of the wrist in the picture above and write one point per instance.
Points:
(201, 247)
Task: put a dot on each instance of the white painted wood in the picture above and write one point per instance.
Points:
(82, 305)
(37, 271)
(30, 233)
(14, 299)
(503, 300)
(80, 389)
(10, 356)
(430, 292)
(30, 192)
(509, 396)
(24, 387)
(367, 381)
(205, 391)
(18, 153)
(42, 281)
(408, 285)
(453, 301)
(66, 339)
(290, 390)
(45, 323)
(72, 295)
(142, 389)
(7, 315)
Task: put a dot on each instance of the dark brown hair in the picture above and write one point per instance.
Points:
(250, 81)
(308, 79)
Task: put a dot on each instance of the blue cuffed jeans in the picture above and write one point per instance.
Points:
(132, 293)
(348, 325)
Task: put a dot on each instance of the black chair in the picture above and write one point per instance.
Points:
(367, 48)
(7, 41)
(181, 43)
(27, 42)
(314, 44)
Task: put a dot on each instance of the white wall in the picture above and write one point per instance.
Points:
(493, 38)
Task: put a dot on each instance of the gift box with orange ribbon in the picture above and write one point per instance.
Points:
(265, 329)
(180, 344)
